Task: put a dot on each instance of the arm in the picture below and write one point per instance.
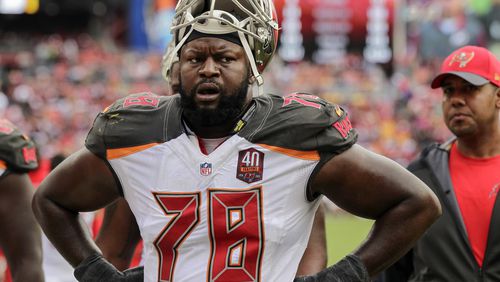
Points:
(315, 256)
(82, 182)
(119, 234)
(372, 186)
(21, 238)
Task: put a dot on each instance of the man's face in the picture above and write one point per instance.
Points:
(214, 80)
(469, 109)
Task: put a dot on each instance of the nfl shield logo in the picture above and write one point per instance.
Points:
(205, 169)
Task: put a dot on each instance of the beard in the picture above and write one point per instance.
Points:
(462, 131)
(229, 108)
(462, 128)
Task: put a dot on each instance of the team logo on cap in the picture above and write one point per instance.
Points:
(250, 165)
(463, 59)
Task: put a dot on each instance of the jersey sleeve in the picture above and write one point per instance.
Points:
(306, 123)
(303, 122)
(17, 151)
(135, 120)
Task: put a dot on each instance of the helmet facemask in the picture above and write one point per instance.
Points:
(254, 21)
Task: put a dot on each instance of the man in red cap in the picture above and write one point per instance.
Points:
(464, 244)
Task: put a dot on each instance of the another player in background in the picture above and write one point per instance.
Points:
(119, 237)
(55, 267)
(224, 186)
(20, 238)
(464, 244)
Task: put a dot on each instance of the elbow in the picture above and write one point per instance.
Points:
(40, 205)
(430, 206)
(434, 206)
(36, 204)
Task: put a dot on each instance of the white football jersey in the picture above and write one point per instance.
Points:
(241, 213)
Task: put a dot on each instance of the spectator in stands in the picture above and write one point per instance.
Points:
(492, 20)
(452, 27)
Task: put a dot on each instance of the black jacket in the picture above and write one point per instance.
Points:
(443, 253)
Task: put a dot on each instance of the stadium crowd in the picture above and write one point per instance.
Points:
(55, 91)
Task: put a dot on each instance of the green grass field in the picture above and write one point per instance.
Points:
(344, 232)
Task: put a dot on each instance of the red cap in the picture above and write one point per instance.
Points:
(475, 64)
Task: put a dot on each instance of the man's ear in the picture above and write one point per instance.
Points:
(497, 98)
(251, 78)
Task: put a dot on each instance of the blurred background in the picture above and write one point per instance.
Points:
(62, 62)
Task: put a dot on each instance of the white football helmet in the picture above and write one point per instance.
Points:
(255, 22)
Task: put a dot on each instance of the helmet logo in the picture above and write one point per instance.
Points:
(462, 59)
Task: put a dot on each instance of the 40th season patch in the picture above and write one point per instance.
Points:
(250, 165)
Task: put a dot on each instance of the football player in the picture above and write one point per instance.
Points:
(224, 186)
(119, 238)
(20, 238)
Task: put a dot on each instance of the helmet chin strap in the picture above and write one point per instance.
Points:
(255, 72)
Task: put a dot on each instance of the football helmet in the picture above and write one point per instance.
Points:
(169, 58)
(255, 22)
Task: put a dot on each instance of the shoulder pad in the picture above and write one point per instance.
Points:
(300, 122)
(17, 151)
(135, 120)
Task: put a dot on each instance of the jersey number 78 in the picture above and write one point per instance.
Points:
(236, 233)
